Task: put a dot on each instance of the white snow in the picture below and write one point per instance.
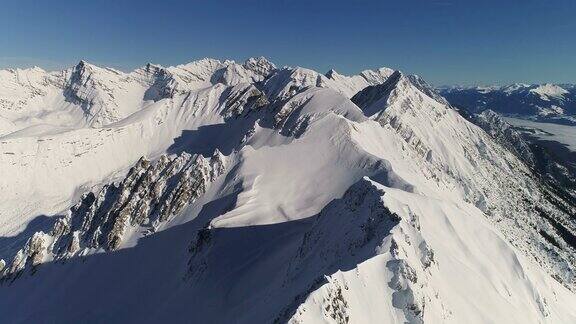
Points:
(470, 259)
(401, 211)
(514, 87)
(547, 90)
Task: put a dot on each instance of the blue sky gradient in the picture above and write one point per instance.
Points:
(445, 41)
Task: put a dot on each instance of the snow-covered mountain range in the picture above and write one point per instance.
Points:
(545, 102)
(224, 192)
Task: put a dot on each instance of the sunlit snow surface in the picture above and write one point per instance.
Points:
(339, 199)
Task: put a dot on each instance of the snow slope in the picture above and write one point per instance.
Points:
(272, 195)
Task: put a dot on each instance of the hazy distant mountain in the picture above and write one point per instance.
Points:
(550, 102)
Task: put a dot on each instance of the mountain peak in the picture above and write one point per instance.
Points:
(377, 76)
(372, 99)
(259, 65)
(549, 90)
(331, 74)
(82, 64)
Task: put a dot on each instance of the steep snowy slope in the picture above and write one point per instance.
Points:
(269, 196)
(557, 171)
(33, 96)
(465, 162)
(81, 156)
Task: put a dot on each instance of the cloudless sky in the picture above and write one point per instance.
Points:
(445, 41)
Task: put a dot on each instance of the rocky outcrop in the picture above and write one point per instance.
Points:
(355, 228)
(373, 99)
(259, 65)
(161, 83)
(560, 177)
(242, 99)
(148, 197)
(504, 134)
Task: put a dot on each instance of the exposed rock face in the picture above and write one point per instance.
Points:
(359, 222)
(373, 98)
(32, 254)
(149, 196)
(560, 177)
(361, 226)
(163, 85)
(243, 99)
(505, 135)
(259, 65)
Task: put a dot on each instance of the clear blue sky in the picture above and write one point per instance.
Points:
(445, 41)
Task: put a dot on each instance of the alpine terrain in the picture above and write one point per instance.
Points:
(542, 102)
(224, 192)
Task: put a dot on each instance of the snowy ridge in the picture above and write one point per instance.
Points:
(478, 170)
(415, 265)
(268, 195)
(350, 85)
(97, 96)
